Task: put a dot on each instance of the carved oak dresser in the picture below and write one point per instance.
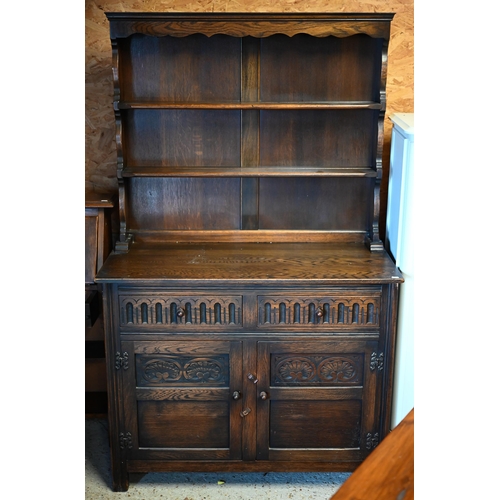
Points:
(250, 306)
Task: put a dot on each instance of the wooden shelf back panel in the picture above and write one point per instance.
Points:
(314, 203)
(342, 139)
(326, 138)
(183, 203)
(304, 68)
(182, 137)
(180, 69)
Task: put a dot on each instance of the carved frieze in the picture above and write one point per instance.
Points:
(330, 310)
(180, 310)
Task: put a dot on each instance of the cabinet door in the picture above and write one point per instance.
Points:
(317, 400)
(182, 400)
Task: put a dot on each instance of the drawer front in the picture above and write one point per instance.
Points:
(171, 312)
(351, 311)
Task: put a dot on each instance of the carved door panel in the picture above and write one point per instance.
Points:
(317, 400)
(182, 400)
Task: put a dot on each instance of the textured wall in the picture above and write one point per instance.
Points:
(100, 128)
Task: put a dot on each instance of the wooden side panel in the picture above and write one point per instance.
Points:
(90, 247)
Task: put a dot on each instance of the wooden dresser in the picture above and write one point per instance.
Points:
(250, 306)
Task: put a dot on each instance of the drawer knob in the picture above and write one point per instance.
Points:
(253, 378)
(181, 313)
(264, 395)
(245, 412)
(236, 395)
(319, 312)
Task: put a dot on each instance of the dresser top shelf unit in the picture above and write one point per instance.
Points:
(232, 123)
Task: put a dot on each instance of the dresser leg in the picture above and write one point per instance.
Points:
(120, 476)
(118, 450)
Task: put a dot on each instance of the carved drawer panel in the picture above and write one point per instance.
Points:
(161, 370)
(180, 311)
(320, 312)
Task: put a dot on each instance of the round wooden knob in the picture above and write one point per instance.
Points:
(320, 312)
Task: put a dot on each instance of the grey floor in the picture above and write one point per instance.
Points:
(198, 485)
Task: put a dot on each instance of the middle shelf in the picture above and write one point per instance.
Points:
(237, 171)
(240, 105)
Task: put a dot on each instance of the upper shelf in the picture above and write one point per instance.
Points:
(123, 105)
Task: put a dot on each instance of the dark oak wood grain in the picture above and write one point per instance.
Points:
(155, 69)
(265, 264)
(349, 68)
(258, 25)
(250, 308)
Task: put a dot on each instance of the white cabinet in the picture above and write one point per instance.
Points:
(399, 243)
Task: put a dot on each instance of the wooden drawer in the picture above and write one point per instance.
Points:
(177, 311)
(349, 310)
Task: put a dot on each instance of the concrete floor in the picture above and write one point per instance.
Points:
(198, 485)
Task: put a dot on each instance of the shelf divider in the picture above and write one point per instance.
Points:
(250, 132)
